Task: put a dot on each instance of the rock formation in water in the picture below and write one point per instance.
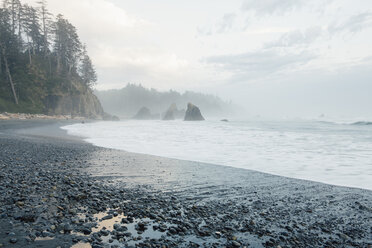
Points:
(145, 114)
(170, 114)
(193, 113)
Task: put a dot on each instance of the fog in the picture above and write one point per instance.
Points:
(341, 95)
(274, 58)
(126, 102)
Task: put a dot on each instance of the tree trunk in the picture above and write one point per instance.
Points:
(58, 63)
(1, 65)
(9, 76)
(50, 65)
(29, 50)
(29, 55)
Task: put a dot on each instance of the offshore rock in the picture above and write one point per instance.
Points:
(193, 113)
(145, 114)
(170, 114)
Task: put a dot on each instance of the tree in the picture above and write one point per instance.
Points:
(87, 71)
(39, 56)
(7, 44)
(14, 8)
(46, 23)
(67, 45)
(32, 28)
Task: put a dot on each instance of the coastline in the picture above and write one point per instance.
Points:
(194, 203)
(23, 116)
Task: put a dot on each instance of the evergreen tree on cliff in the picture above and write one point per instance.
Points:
(43, 66)
(87, 71)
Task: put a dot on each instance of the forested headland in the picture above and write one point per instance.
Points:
(44, 66)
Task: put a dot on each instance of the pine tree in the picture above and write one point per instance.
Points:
(32, 28)
(8, 46)
(67, 45)
(87, 71)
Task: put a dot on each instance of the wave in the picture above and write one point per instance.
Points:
(362, 123)
(352, 123)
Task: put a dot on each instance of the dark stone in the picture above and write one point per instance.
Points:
(13, 240)
(107, 217)
(193, 113)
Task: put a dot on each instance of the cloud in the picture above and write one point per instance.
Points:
(296, 38)
(226, 23)
(119, 45)
(355, 23)
(253, 65)
(269, 7)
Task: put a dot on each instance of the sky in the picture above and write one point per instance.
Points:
(274, 57)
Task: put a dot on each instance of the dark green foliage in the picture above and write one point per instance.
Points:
(39, 58)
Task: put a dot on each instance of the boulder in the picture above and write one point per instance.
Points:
(193, 113)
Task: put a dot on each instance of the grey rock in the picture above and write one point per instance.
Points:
(193, 113)
(13, 240)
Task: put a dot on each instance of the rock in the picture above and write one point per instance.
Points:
(145, 114)
(236, 244)
(141, 226)
(82, 103)
(104, 232)
(193, 113)
(107, 217)
(108, 117)
(173, 113)
(169, 115)
(86, 231)
(13, 240)
(67, 228)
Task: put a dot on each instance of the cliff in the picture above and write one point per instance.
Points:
(85, 104)
(78, 100)
(44, 75)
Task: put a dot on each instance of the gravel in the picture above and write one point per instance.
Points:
(60, 192)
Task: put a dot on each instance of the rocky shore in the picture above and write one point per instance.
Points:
(66, 193)
(22, 116)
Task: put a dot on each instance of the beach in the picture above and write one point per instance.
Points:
(59, 191)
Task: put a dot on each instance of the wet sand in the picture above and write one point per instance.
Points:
(55, 190)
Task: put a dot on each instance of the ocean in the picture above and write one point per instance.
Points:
(330, 152)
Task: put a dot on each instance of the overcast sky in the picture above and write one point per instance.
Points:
(274, 56)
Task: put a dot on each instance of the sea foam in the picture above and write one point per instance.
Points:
(312, 150)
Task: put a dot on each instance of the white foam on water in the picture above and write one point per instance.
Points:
(318, 151)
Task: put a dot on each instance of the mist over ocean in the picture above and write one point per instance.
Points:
(328, 152)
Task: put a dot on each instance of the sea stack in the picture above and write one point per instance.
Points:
(193, 113)
(170, 114)
(143, 114)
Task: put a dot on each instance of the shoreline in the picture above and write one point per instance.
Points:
(284, 175)
(25, 116)
(189, 203)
